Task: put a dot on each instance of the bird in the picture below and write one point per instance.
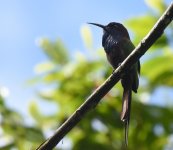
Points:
(117, 46)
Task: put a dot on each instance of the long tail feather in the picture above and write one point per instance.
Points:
(126, 132)
(125, 114)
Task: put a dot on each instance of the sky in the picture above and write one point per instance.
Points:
(23, 22)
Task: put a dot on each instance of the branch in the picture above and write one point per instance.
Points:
(101, 91)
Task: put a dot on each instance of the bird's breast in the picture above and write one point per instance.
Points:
(109, 43)
(113, 51)
(114, 58)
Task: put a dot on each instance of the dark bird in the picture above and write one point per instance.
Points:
(117, 45)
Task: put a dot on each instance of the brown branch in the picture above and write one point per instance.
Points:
(100, 92)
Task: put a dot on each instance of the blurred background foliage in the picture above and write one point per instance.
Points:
(69, 80)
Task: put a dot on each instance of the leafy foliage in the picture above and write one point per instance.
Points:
(15, 133)
(68, 82)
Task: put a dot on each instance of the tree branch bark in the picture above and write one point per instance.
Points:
(101, 91)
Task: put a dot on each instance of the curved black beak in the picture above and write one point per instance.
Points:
(99, 25)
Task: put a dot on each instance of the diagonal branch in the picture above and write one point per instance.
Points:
(100, 92)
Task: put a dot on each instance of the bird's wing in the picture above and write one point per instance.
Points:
(128, 47)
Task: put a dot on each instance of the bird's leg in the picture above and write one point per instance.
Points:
(116, 67)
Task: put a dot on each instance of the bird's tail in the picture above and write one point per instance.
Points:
(125, 114)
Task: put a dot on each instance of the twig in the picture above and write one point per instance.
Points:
(101, 91)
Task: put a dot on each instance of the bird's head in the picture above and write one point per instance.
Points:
(114, 29)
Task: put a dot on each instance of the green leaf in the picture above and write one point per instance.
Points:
(44, 67)
(34, 134)
(159, 70)
(158, 5)
(56, 51)
(86, 36)
(35, 112)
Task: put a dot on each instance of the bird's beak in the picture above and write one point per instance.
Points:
(99, 25)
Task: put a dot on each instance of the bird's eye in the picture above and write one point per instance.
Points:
(115, 26)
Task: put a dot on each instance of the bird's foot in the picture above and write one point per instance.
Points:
(116, 68)
(119, 64)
